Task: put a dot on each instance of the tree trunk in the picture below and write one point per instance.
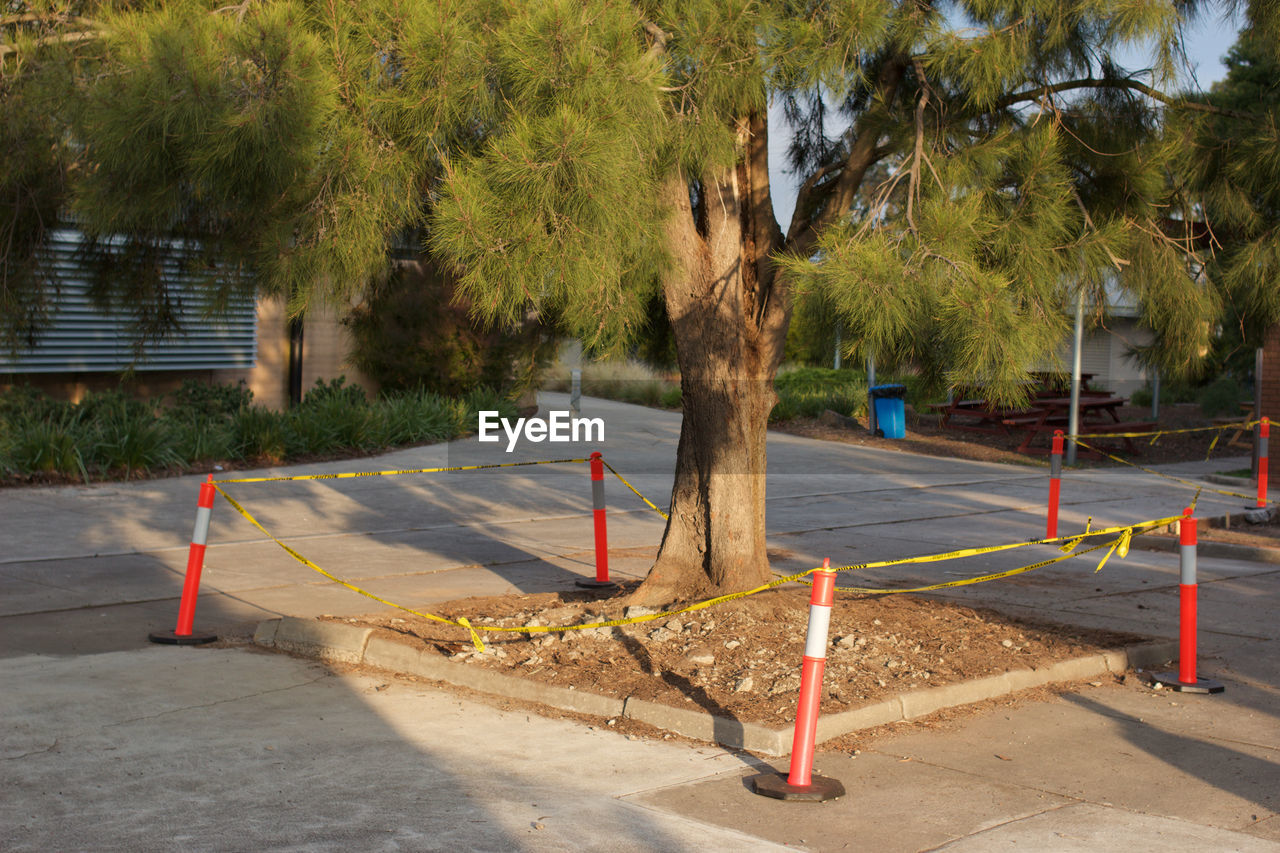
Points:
(729, 326)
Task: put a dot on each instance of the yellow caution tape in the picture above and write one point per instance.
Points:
(475, 638)
(1156, 434)
(310, 565)
(394, 473)
(1064, 541)
(651, 504)
(1198, 486)
(863, 590)
(1121, 544)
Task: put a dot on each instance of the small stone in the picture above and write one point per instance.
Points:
(1157, 686)
(661, 635)
(1008, 644)
(636, 610)
(744, 685)
(1095, 683)
(674, 625)
(539, 826)
(732, 644)
(700, 656)
(462, 655)
(786, 684)
(876, 622)
(612, 722)
(838, 421)
(847, 642)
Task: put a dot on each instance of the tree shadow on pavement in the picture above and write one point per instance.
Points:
(1223, 767)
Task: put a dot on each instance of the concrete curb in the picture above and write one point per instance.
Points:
(1224, 550)
(348, 644)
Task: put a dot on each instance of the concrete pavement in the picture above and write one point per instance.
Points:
(112, 744)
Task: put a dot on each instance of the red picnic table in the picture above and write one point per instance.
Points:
(1098, 416)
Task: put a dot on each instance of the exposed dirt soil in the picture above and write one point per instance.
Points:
(742, 659)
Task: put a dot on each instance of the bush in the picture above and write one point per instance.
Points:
(204, 440)
(110, 434)
(131, 438)
(1221, 398)
(195, 400)
(412, 417)
(413, 333)
(48, 447)
(257, 432)
(809, 391)
(335, 390)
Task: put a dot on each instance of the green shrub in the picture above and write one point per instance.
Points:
(416, 333)
(132, 439)
(336, 389)
(49, 447)
(809, 391)
(332, 424)
(258, 432)
(196, 400)
(204, 439)
(1221, 398)
(412, 417)
(22, 403)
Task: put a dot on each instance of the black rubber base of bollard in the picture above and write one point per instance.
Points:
(173, 638)
(775, 785)
(595, 584)
(1169, 680)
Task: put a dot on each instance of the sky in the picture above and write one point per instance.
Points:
(1207, 40)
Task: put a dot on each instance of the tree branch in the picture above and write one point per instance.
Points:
(1134, 85)
(803, 233)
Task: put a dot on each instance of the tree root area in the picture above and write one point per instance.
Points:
(742, 659)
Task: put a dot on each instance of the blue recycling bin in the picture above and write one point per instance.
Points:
(890, 410)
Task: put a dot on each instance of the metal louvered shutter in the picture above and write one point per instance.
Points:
(83, 339)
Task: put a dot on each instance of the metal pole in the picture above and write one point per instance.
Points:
(836, 361)
(871, 403)
(1257, 409)
(1073, 418)
(1155, 395)
(575, 393)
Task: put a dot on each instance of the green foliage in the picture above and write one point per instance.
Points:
(1221, 398)
(129, 437)
(414, 333)
(809, 391)
(335, 390)
(560, 208)
(50, 447)
(413, 417)
(259, 433)
(110, 435)
(196, 401)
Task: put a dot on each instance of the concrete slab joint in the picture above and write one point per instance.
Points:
(350, 644)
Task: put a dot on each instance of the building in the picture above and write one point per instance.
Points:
(86, 349)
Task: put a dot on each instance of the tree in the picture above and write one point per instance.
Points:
(1234, 169)
(963, 170)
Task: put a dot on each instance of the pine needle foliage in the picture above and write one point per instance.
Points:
(966, 168)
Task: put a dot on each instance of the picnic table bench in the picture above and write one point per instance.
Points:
(985, 418)
(1052, 413)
